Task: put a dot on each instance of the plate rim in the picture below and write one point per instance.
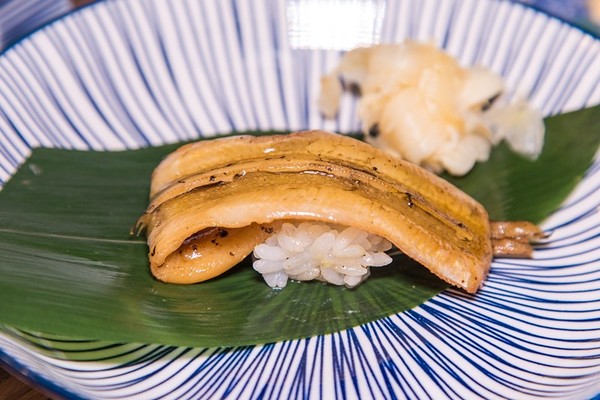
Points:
(49, 387)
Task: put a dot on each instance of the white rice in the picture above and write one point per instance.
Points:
(313, 250)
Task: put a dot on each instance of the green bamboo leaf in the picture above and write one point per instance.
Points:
(70, 268)
(512, 187)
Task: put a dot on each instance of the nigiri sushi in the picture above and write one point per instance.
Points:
(313, 205)
(418, 103)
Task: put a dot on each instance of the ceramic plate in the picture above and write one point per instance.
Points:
(133, 73)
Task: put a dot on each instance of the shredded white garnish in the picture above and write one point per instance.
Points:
(419, 104)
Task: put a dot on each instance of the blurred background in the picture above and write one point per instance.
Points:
(20, 17)
(585, 13)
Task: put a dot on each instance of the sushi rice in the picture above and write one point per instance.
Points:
(314, 250)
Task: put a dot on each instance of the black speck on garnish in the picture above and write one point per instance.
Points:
(374, 131)
(352, 87)
(488, 104)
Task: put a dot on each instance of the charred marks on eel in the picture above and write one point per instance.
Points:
(267, 229)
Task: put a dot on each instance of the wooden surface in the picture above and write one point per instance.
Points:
(12, 388)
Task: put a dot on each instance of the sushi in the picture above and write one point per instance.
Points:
(313, 205)
(418, 103)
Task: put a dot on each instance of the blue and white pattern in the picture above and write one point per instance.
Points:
(129, 73)
(20, 17)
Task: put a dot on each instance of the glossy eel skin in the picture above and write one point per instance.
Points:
(213, 201)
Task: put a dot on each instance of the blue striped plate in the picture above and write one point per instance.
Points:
(123, 74)
(20, 17)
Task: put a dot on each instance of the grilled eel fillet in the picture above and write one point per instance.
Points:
(212, 201)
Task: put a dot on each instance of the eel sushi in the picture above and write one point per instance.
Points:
(314, 205)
